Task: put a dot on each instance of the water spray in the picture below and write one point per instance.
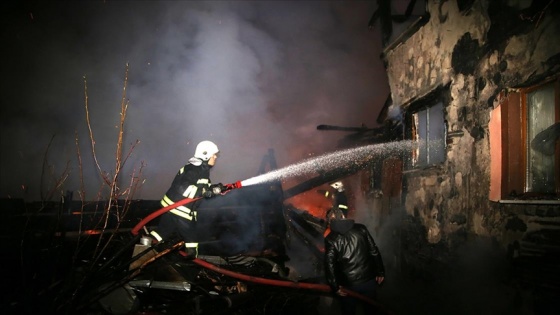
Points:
(356, 157)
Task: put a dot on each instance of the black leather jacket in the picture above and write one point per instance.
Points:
(351, 256)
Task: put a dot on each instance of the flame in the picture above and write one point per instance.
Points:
(314, 203)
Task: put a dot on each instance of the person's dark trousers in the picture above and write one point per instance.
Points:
(171, 223)
(349, 304)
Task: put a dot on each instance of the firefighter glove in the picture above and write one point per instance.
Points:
(217, 188)
(207, 193)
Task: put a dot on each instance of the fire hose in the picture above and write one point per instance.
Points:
(281, 283)
(289, 284)
(157, 213)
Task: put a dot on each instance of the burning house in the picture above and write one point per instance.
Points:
(465, 189)
(477, 83)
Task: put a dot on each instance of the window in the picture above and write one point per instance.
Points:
(425, 123)
(528, 142)
(428, 129)
(540, 159)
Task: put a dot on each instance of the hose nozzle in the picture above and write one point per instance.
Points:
(231, 186)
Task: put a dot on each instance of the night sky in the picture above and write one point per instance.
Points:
(250, 76)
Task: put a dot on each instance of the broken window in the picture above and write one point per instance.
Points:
(428, 129)
(528, 142)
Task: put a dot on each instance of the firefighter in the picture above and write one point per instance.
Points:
(339, 201)
(338, 195)
(192, 181)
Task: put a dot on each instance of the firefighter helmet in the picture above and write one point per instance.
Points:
(205, 150)
(338, 186)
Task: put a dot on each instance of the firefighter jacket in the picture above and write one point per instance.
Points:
(339, 200)
(351, 255)
(190, 182)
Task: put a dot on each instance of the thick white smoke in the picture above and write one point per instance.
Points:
(247, 75)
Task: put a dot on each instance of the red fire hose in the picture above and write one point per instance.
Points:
(159, 212)
(282, 283)
(155, 214)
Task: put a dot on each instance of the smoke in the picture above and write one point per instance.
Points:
(247, 75)
(395, 113)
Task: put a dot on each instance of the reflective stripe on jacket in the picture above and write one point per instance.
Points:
(190, 192)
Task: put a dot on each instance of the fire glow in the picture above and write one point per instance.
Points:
(313, 202)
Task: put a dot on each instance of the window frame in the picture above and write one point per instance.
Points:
(515, 144)
(439, 96)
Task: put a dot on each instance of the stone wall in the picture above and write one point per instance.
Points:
(474, 49)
